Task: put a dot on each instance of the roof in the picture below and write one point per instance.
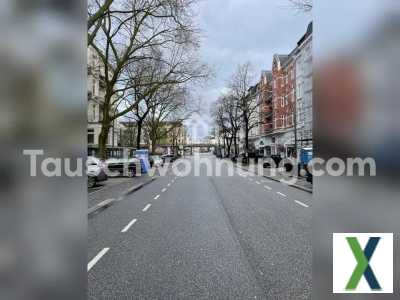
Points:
(307, 34)
(267, 74)
(282, 58)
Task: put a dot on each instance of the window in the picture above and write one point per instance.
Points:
(94, 113)
(101, 108)
(94, 86)
(289, 121)
(90, 136)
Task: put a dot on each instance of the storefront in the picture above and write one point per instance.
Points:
(283, 144)
(263, 146)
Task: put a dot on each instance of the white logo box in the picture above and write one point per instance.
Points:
(344, 263)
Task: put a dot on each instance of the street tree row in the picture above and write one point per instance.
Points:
(237, 110)
(149, 51)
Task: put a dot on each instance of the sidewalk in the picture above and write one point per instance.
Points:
(278, 175)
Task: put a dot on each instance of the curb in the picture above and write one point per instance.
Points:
(138, 186)
(278, 180)
(107, 203)
(293, 185)
(100, 206)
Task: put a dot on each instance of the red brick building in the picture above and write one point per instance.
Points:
(265, 113)
(283, 105)
(265, 88)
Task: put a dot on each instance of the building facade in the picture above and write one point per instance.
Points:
(304, 99)
(175, 138)
(285, 114)
(96, 91)
(265, 114)
(283, 105)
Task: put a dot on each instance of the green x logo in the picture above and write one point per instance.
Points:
(363, 268)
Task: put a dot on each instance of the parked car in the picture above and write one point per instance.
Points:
(95, 170)
(156, 161)
(122, 166)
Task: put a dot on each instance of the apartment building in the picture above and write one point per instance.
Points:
(304, 85)
(283, 105)
(96, 90)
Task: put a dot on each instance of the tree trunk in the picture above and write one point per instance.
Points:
(235, 144)
(153, 144)
(247, 141)
(103, 137)
(228, 147)
(224, 146)
(139, 133)
(246, 136)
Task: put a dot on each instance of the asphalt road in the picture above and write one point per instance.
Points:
(203, 237)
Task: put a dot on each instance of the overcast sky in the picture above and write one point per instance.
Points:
(237, 31)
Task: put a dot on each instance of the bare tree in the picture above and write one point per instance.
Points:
(97, 10)
(186, 70)
(144, 74)
(233, 117)
(125, 38)
(302, 5)
(223, 125)
(245, 97)
(250, 113)
(170, 109)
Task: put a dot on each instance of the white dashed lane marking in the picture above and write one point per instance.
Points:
(156, 197)
(146, 207)
(301, 203)
(94, 261)
(258, 182)
(267, 187)
(279, 193)
(163, 190)
(126, 228)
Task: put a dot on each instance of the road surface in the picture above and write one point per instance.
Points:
(203, 237)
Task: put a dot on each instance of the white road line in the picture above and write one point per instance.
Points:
(97, 258)
(258, 182)
(301, 203)
(126, 228)
(173, 180)
(163, 190)
(146, 207)
(267, 187)
(250, 179)
(279, 193)
(168, 184)
(156, 197)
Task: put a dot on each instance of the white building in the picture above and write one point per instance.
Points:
(304, 100)
(96, 93)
